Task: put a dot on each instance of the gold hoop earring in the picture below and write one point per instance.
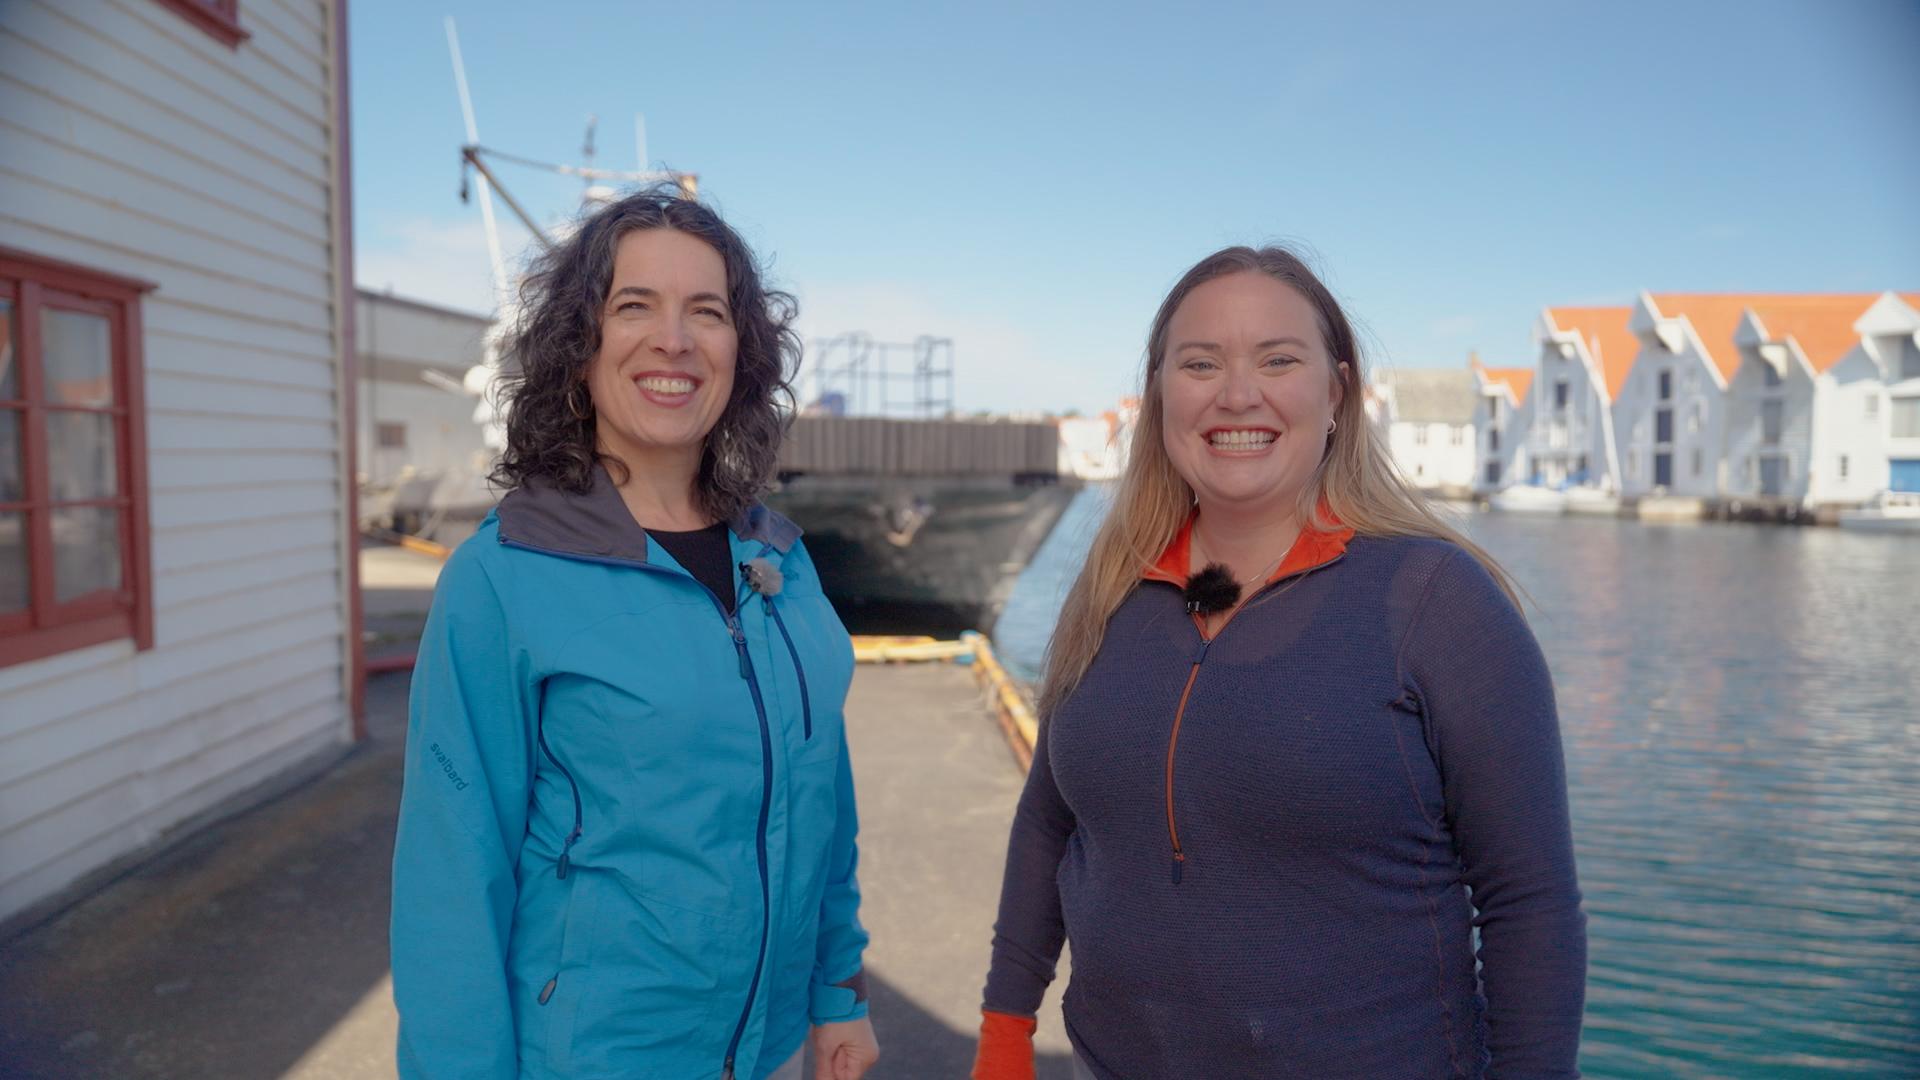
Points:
(578, 414)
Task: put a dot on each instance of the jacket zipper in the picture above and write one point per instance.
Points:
(760, 839)
(806, 703)
(1173, 743)
(1186, 692)
(766, 775)
(566, 849)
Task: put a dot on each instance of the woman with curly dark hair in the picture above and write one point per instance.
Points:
(626, 842)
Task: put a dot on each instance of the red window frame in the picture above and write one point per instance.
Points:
(34, 284)
(219, 18)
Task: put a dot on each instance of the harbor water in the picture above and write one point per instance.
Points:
(1740, 706)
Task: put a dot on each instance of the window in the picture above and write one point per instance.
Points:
(1770, 422)
(1663, 425)
(1420, 435)
(391, 436)
(1663, 469)
(73, 514)
(1909, 360)
(1696, 416)
(1699, 461)
(220, 19)
(1906, 418)
(1873, 406)
(1843, 466)
(1771, 373)
(1493, 440)
(1493, 409)
(1666, 385)
(1459, 434)
(1493, 473)
(1633, 463)
(1560, 394)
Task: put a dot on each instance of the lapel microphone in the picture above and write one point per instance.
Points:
(1212, 589)
(762, 576)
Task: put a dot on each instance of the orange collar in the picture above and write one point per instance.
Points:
(1312, 548)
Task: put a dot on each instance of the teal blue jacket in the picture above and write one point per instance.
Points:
(626, 839)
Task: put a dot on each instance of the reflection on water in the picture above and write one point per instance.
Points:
(1741, 710)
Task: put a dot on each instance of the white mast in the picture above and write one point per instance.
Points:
(500, 287)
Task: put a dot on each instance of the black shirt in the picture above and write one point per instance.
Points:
(704, 553)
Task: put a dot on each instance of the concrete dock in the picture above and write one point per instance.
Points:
(258, 947)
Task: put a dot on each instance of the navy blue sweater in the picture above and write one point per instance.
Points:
(1366, 741)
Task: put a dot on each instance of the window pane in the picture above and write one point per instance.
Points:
(86, 551)
(12, 481)
(9, 382)
(80, 455)
(79, 358)
(1906, 418)
(13, 562)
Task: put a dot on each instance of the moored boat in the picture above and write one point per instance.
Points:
(1889, 512)
(1529, 499)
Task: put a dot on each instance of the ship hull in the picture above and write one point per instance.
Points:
(925, 554)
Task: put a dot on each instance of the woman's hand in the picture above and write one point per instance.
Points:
(844, 1051)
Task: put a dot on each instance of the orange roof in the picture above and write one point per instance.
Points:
(1520, 379)
(1516, 379)
(1821, 323)
(1604, 330)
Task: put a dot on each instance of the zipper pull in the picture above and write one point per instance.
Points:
(566, 860)
(1179, 860)
(546, 992)
(726, 1071)
(739, 645)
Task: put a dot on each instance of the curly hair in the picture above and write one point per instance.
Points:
(553, 340)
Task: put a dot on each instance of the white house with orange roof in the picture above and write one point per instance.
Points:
(1583, 359)
(1889, 333)
(1810, 409)
(1670, 414)
(1500, 425)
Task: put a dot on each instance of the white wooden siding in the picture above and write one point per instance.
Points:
(134, 143)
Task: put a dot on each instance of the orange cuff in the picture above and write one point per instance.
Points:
(1006, 1047)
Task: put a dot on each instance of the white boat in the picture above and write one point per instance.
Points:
(1889, 512)
(1529, 499)
(1597, 502)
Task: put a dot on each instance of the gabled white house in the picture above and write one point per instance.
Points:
(1583, 357)
(1429, 419)
(1807, 410)
(1669, 416)
(1500, 425)
(178, 612)
(1890, 335)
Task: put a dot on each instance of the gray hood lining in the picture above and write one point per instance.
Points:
(597, 524)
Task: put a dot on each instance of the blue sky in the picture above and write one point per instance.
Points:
(1029, 179)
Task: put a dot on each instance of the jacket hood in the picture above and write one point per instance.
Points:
(597, 524)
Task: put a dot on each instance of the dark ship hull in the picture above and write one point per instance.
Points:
(922, 554)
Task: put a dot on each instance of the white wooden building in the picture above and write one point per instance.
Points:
(1809, 411)
(1583, 357)
(1429, 417)
(1500, 425)
(421, 450)
(1670, 414)
(177, 596)
(1891, 337)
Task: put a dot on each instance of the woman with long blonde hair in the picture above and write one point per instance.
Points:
(1297, 745)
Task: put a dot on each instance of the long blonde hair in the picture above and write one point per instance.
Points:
(1356, 477)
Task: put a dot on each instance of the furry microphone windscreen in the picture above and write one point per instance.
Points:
(762, 576)
(1212, 589)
